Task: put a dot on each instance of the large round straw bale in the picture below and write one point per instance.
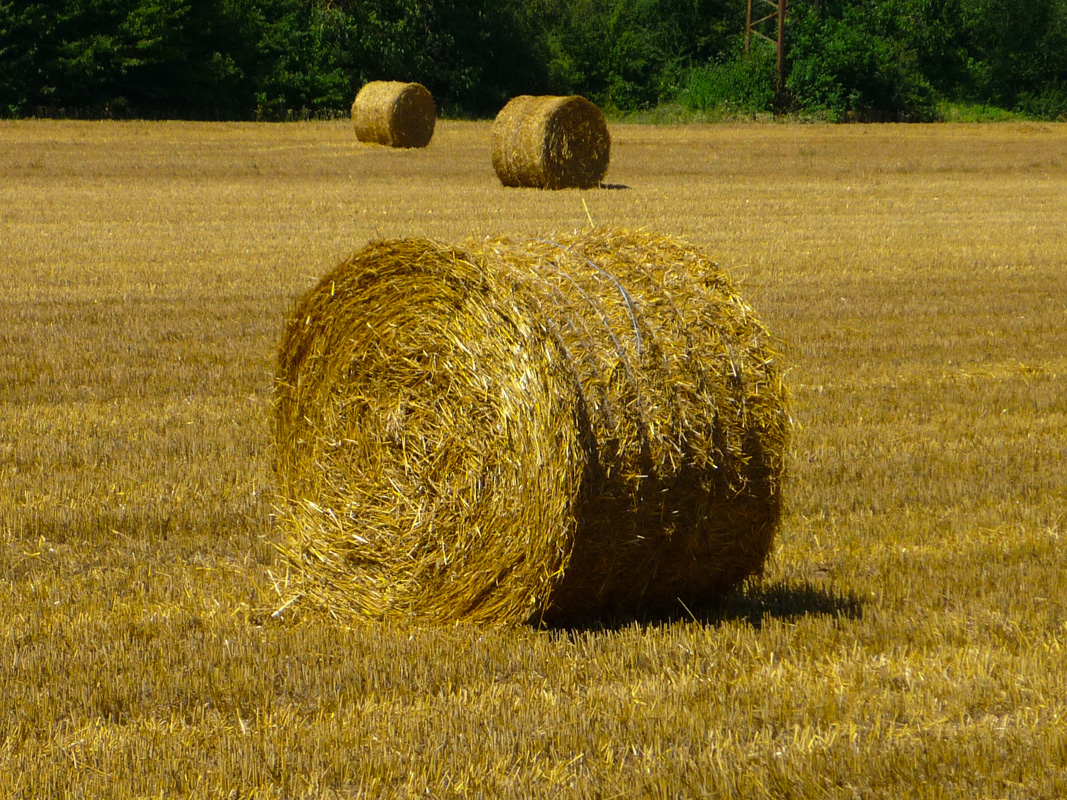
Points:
(526, 429)
(550, 143)
(395, 114)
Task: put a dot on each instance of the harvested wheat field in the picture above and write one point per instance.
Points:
(907, 636)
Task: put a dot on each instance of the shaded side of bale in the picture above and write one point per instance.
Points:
(527, 429)
(685, 402)
(550, 143)
(394, 114)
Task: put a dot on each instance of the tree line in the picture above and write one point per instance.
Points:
(283, 59)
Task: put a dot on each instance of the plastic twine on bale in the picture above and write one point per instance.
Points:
(613, 279)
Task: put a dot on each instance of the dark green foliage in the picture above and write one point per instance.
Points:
(736, 84)
(306, 60)
(27, 44)
(280, 59)
(220, 59)
(113, 57)
(860, 65)
(1017, 54)
(894, 59)
(631, 54)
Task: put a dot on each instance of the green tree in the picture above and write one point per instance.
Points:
(28, 42)
(859, 63)
(734, 83)
(1016, 53)
(630, 53)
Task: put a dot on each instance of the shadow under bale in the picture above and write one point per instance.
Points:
(526, 430)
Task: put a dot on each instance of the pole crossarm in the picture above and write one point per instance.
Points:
(752, 28)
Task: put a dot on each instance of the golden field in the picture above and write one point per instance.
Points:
(910, 634)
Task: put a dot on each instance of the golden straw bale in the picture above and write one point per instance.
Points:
(526, 430)
(395, 114)
(550, 143)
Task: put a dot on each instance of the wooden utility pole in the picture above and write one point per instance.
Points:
(771, 28)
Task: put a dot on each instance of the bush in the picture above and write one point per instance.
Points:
(737, 85)
(1050, 104)
(857, 67)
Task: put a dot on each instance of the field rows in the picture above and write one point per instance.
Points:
(909, 636)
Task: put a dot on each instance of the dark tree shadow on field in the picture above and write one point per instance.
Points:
(753, 604)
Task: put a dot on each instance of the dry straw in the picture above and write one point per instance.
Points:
(525, 430)
(550, 143)
(394, 114)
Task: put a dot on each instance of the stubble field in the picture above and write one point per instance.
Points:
(908, 639)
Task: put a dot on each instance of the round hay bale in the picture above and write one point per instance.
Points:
(526, 430)
(395, 114)
(550, 143)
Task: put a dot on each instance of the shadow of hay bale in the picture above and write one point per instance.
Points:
(752, 605)
(394, 114)
(526, 430)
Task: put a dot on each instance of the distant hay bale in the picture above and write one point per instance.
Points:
(550, 143)
(395, 114)
(525, 430)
